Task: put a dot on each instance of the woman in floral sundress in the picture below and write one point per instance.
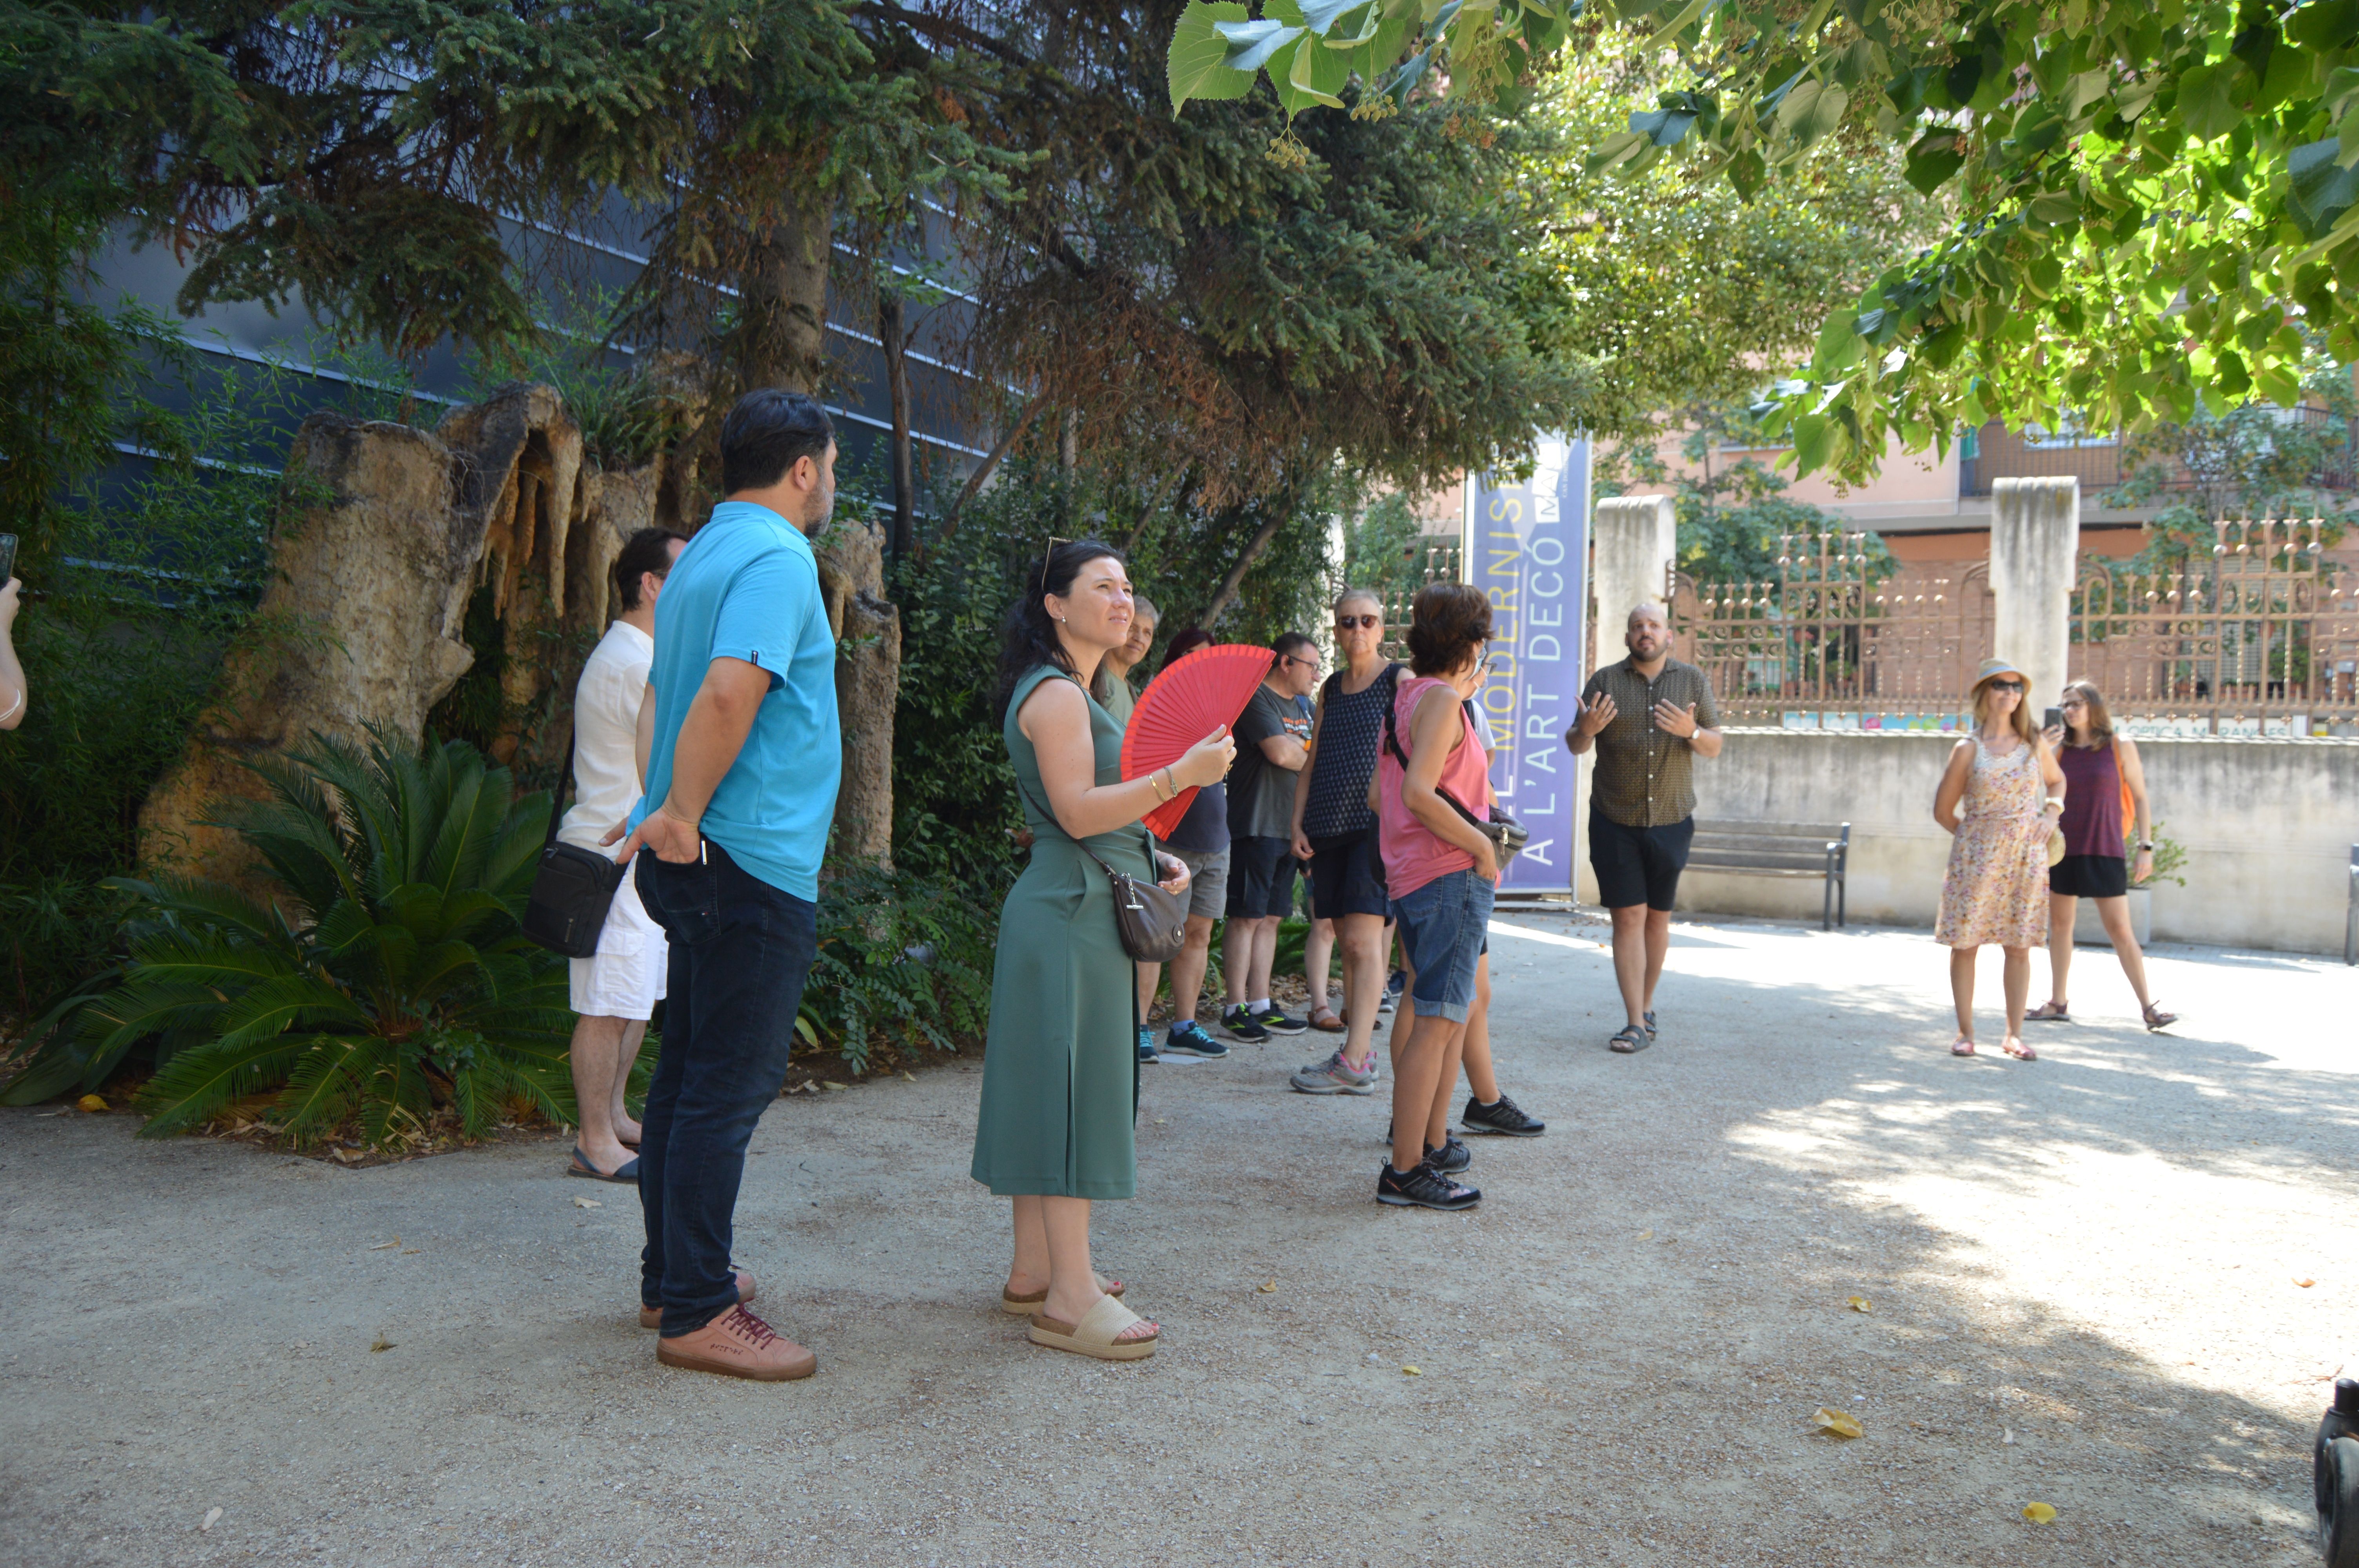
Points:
(2001, 796)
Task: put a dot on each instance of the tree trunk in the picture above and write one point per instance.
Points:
(868, 628)
(1230, 584)
(892, 327)
(982, 475)
(782, 339)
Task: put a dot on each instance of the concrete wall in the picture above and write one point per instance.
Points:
(2269, 826)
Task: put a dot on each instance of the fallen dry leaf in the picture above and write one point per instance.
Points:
(1859, 1303)
(1411, 1372)
(1266, 1286)
(213, 1516)
(382, 1246)
(2305, 1285)
(587, 1203)
(911, 1077)
(379, 1343)
(411, 1251)
(2038, 1513)
(2007, 1435)
(1835, 1424)
(1646, 1236)
(91, 1103)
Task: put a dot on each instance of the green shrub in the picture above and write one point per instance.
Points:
(902, 960)
(384, 975)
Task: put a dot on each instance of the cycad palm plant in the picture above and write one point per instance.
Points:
(386, 975)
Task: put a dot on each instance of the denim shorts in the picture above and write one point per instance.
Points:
(1444, 929)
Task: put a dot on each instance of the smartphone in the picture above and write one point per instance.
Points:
(2053, 720)
(8, 557)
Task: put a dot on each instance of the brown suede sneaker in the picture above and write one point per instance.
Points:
(652, 1317)
(739, 1345)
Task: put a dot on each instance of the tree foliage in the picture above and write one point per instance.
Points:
(2156, 206)
(1201, 305)
(1688, 292)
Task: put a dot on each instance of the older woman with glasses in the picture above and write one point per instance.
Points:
(2000, 796)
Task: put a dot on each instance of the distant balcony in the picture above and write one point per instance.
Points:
(1995, 452)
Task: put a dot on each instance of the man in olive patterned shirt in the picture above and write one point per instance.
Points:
(1649, 717)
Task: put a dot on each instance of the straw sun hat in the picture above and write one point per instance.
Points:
(1993, 668)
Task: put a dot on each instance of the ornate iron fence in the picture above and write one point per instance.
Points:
(1441, 565)
(2260, 639)
(1827, 645)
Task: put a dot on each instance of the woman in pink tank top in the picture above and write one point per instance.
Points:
(1442, 873)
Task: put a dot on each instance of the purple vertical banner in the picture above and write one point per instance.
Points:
(1528, 548)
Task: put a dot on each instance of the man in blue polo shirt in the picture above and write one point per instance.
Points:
(744, 754)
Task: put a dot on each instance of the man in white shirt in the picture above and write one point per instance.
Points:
(615, 993)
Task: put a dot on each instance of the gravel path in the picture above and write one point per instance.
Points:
(2082, 1274)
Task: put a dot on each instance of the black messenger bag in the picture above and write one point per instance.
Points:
(574, 887)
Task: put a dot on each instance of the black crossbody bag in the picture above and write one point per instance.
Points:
(1507, 835)
(573, 888)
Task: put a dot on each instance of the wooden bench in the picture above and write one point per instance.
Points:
(1777, 849)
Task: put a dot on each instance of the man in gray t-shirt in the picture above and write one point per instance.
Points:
(1273, 737)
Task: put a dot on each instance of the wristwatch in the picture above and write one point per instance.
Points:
(2147, 848)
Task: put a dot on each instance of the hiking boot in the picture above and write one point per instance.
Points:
(652, 1317)
(1336, 1076)
(1146, 1052)
(1188, 1038)
(1450, 1158)
(739, 1345)
(1423, 1188)
(1502, 1115)
(1239, 1025)
(1276, 1023)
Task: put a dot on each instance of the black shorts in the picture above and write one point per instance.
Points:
(1261, 877)
(1347, 877)
(1638, 865)
(2090, 876)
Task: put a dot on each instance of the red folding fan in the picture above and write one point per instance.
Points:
(1186, 702)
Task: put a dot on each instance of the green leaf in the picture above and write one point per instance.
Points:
(1933, 159)
(1251, 44)
(1814, 439)
(2208, 100)
(1303, 73)
(1617, 149)
(1839, 347)
(2319, 188)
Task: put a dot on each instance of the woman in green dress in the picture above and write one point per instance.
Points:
(1061, 1066)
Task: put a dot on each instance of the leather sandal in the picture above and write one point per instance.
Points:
(1094, 1335)
(2155, 1019)
(1326, 1020)
(1961, 1046)
(1629, 1040)
(2048, 1013)
(1026, 1304)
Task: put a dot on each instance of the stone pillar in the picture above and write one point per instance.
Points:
(2035, 560)
(1636, 538)
(1634, 541)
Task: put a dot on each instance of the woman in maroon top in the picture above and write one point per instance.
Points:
(2101, 770)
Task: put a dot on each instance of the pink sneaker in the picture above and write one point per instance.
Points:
(652, 1317)
(739, 1345)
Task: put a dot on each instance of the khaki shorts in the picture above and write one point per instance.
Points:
(1207, 888)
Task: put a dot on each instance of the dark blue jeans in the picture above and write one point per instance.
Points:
(740, 951)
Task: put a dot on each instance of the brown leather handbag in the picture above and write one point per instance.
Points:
(1152, 923)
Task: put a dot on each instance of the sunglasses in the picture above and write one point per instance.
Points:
(2013, 685)
(1290, 659)
(1365, 622)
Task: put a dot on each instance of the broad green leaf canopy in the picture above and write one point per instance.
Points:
(2156, 204)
